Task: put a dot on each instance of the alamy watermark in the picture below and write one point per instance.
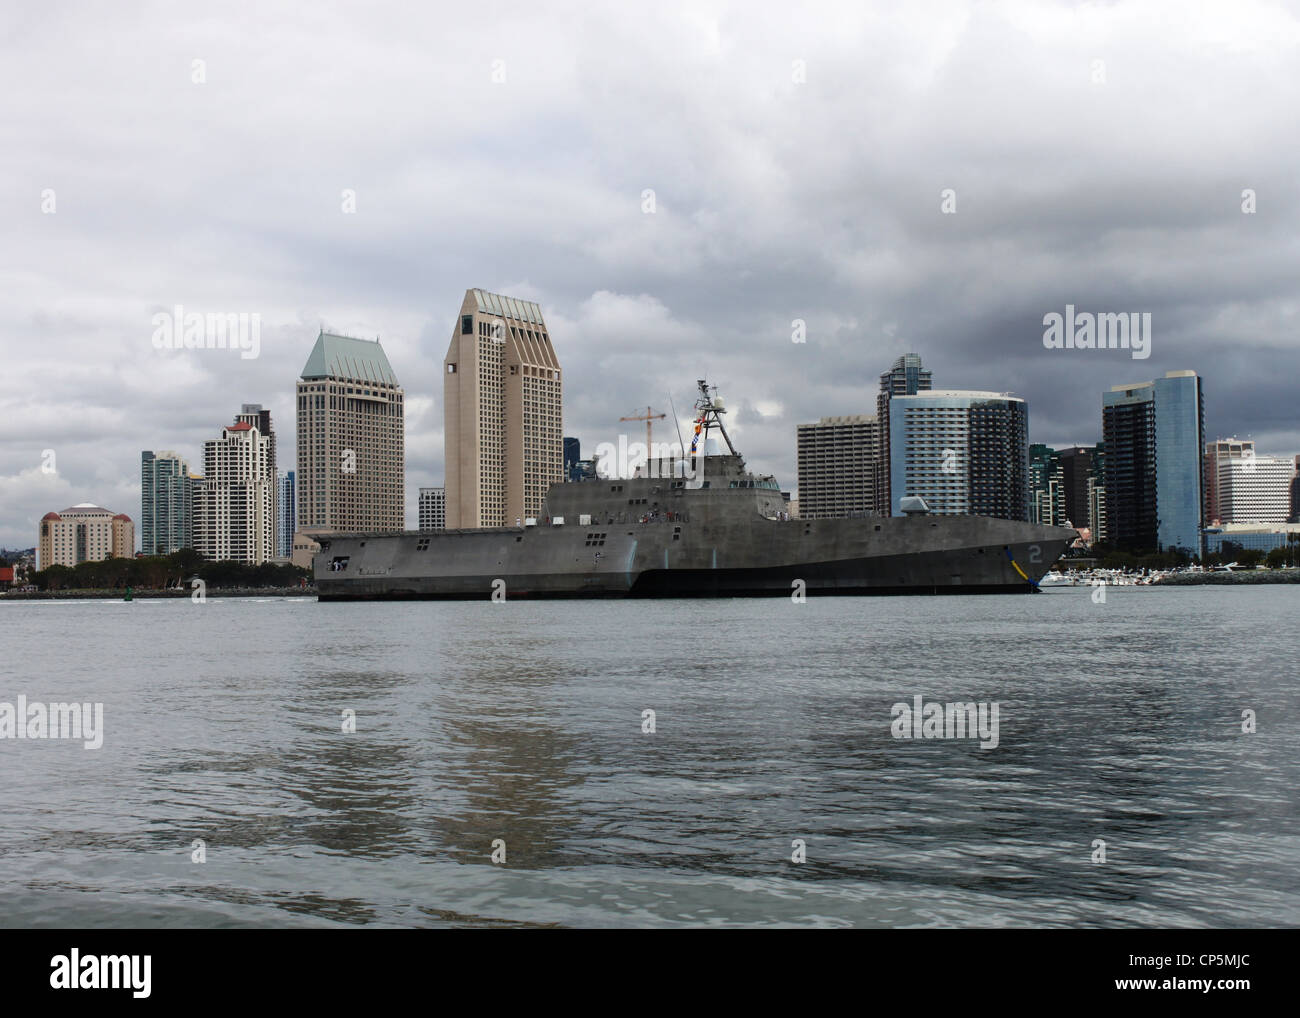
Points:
(75, 971)
(178, 330)
(37, 720)
(1084, 330)
(934, 720)
(632, 459)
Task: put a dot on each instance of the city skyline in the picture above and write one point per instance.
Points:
(703, 275)
(255, 412)
(390, 386)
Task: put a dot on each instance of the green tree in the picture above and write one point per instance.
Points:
(54, 577)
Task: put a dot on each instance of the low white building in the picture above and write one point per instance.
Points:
(1242, 486)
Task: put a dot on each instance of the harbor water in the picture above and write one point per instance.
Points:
(278, 761)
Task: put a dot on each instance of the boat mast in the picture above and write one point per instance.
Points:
(710, 414)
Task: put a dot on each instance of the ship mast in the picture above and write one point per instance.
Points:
(708, 413)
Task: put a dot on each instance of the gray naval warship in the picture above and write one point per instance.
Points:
(697, 526)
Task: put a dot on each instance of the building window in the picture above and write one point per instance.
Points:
(466, 325)
(451, 369)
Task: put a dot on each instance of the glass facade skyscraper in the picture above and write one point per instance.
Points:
(166, 503)
(1180, 445)
(286, 515)
(572, 457)
(1129, 428)
(966, 453)
(1047, 486)
(1154, 434)
(906, 378)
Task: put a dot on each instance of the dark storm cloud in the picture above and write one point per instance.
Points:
(1097, 153)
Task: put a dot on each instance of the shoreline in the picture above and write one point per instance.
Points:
(1241, 577)
(1244, 577)
(140, 595)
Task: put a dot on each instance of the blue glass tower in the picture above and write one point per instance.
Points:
(1180, 444)
(1155, 490)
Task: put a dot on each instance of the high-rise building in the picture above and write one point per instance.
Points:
(1046, 486)
(433, 509)
(1180, 446)
(1097, 511)
(1076, 469)
(84, 533)
(1295, 493)
(1154, 435)
(965, 452)
(1244, 487)
(252, 413)
(1217, 453)
(577, 469)
(166, 503)
(285, 515)
(351, 472)
(907, 377)
(837, 467)
(1129, 427)
(503, 412)
(573, 457)
(234, 508)
(1097, 523)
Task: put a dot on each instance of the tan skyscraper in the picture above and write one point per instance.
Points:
(837, 467)
(502, 412)
(351, 439)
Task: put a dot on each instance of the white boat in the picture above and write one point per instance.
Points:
(1055, 579)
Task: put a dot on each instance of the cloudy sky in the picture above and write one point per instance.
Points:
(798, 156)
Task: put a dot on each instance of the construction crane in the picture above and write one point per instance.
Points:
(648, 416)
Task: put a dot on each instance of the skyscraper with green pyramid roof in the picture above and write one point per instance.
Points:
(351, 472)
